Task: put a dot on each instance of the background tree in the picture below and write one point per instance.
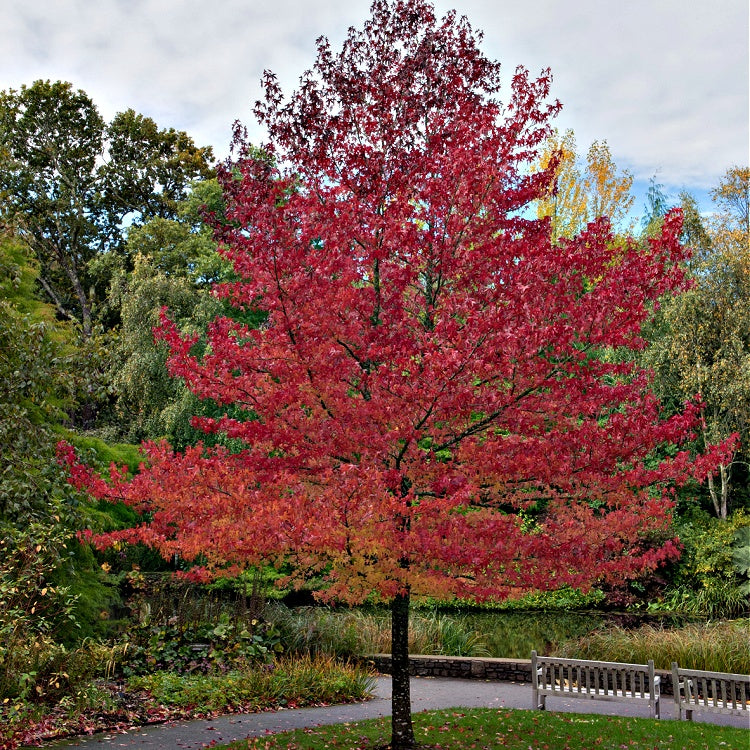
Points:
(68, 182)
(50, 139)
(175, 263)
(733, 196)
(655, 209)
(694, 232)
(36, 388)
(582, 193)
(32, 385)
(702, 343)
(425, 410)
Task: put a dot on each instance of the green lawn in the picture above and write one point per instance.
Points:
(483, 729)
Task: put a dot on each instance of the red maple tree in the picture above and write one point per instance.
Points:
(440, 402)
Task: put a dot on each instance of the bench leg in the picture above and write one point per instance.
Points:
(536, 700)
(656, 709)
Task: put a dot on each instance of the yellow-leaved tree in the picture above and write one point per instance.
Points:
(584, 189)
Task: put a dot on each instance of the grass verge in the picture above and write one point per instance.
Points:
(486, 729)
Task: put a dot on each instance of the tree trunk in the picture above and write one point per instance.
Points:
(724, 474)
(86, 324)
(720, 498)
(402, 732)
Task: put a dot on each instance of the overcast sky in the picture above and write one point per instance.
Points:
(665, 82)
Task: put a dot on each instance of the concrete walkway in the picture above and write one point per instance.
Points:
(426, 692)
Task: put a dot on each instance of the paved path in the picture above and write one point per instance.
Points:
(426, 693)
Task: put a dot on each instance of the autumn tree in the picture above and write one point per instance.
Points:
(427, 409)
(702, 343)
(582, 192)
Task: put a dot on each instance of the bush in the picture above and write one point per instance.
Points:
(32, 609)
(301, 681)
(565, 599)
(202, 648)
(711, 578)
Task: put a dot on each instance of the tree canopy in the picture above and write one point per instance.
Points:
(582, 193)
(70, 185)
(174, 264)
(703, 341)
(35, 387)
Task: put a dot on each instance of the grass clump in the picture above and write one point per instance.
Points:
(717, 647)
(720, 647)
(458, 729)
(287, 682)
(318, 630)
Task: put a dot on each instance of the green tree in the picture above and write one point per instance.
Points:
(70, 184)
(33, 386)
(694, 232)
(37, 386)
(52, 591)
(656, 207)
(174, 263)
(703, 339)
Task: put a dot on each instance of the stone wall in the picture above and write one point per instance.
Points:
(474, 668)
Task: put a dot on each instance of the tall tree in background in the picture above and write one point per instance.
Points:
(427, 410)
(582, 193)
(68, 182)
(703, 340)
(655, 209)
(174, 265)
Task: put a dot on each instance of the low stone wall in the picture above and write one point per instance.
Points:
(504, 670)
(474, 668)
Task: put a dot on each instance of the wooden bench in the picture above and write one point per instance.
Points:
(597, 680)
(718, 692)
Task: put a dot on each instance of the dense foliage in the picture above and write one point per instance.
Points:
(70, 183)
(702, 340)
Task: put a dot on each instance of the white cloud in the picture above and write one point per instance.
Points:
(665, 82)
